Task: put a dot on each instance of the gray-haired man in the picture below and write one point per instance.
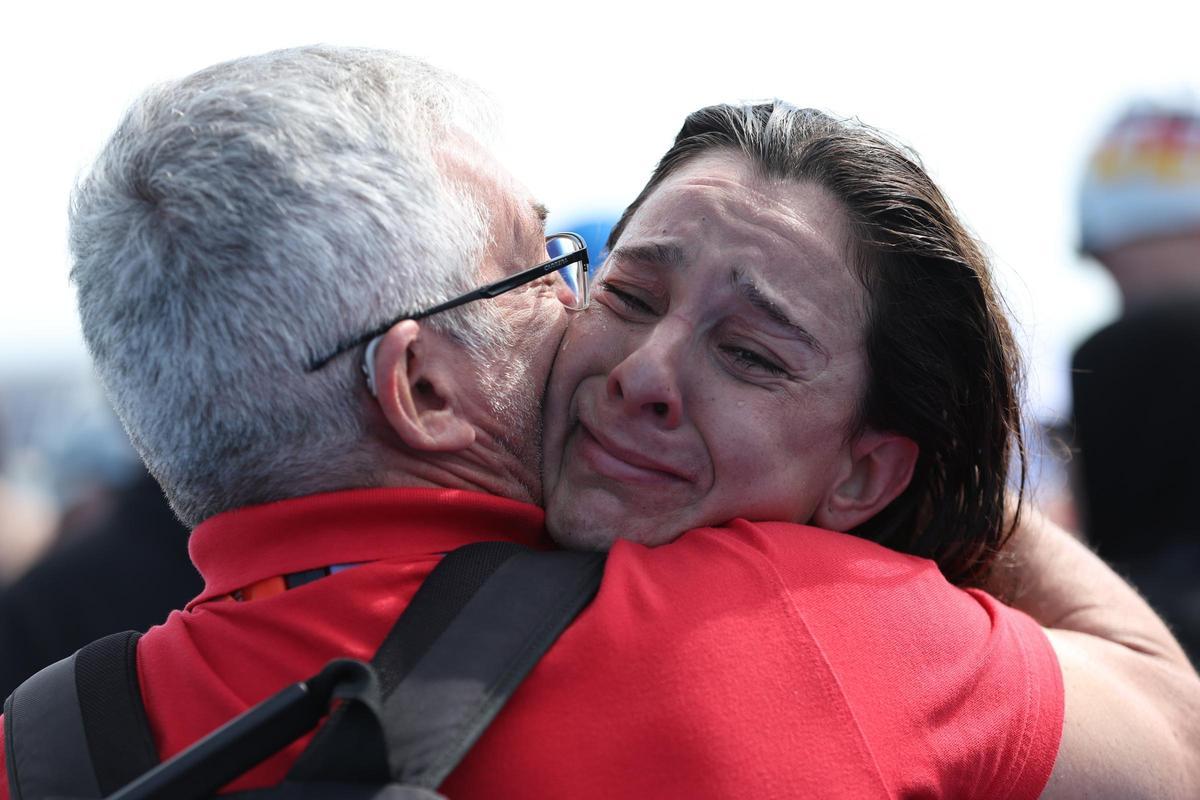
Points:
(240, 228)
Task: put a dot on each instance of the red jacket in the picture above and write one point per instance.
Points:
(753, 660)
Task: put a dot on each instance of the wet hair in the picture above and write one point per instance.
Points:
(943, 366)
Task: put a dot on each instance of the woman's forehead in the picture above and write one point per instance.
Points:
(716, 216)
(722, 196)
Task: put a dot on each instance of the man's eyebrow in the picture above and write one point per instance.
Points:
(541, 213)
(661, 255)
(746, 287)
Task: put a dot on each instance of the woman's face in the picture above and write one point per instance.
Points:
(719, 369)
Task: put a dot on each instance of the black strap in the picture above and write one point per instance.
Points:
(114, 715)
(440, 598)
(249, 738)
(46, 745)
(351, 746)
(474, 629)
(449, 699)
(455, 658)
(78, 727)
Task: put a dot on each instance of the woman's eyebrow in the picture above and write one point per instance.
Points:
(657, 255)
(746, 287)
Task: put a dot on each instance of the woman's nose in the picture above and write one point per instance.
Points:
(646, 381)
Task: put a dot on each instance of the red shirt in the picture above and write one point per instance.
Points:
(753, 660)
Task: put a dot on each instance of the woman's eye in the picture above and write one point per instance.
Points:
(749, 359)
(630, 301)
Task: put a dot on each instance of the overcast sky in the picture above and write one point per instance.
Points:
(1002, 101)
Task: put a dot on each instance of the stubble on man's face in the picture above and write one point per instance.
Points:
(530, 320)
(515, 400)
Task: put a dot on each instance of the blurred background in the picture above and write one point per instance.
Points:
(1002, 101)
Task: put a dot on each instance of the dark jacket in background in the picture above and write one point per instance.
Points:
(1137, 430)
(127, 573)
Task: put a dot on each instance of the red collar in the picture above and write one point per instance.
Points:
(240, 547)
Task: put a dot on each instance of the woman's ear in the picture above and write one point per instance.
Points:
(880, 468)
(416, 382)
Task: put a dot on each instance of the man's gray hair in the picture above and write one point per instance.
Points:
(247, 219)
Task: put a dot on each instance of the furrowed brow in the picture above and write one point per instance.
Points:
(658, 255)
(755, 297)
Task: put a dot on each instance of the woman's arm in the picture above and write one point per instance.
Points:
(1132, 720)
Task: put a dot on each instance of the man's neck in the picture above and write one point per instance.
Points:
(484, 467)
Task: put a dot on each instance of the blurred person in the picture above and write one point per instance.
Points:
(1136, 382)
(67, 452)
(27, 522)
(26, 530)
(695, 672)
(87, 458)
(125, 569)
(1139, 203)
(117, 557)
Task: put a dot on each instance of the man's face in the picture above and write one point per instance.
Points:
(513, 380)
(719, 369)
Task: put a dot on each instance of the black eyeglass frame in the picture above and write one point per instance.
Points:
(483, 292)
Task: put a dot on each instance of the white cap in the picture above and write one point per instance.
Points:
(1143, 179)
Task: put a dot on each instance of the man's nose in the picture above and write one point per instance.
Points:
(647, 380)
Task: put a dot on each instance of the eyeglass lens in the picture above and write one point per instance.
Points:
(572, 275)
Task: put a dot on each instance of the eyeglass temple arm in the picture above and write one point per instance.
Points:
(491, 290)
(513, 281)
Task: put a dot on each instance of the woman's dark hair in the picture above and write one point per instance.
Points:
(943, 365)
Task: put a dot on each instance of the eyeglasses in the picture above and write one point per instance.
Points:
(568, 263)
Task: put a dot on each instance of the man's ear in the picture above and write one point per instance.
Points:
(417, 384)
(880, 468)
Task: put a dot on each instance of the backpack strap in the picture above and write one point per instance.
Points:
(78, 728)
(439, 599)
(450, 698)
(472, 632)
(475, 629)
